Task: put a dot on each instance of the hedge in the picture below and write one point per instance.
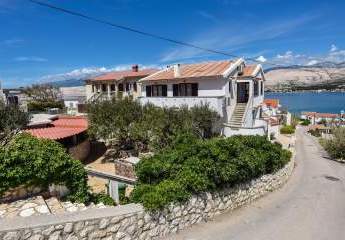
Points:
(192, 166)
(26, 160)
(335, 146)
(287, 129)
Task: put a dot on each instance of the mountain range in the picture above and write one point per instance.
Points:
(324, 75)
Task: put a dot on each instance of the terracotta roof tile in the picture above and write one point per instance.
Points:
(207, 69)
(271, 102)
(118, 75)
(61, 128)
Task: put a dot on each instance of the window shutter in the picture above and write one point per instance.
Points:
(148, 91)
(175, 90)
(164, 90)
(194, 89)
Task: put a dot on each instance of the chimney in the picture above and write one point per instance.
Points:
(177, 71)
(135, 68)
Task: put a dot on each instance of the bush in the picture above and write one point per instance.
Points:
(11, 118)
(102, 198)
(287, 129)
(336, 146)
(41, 106)
(126, 124)
(26, 160)
(192, 166)
(305, 122)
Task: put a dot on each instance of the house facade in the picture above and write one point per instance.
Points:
(118, 82)
(233, 89)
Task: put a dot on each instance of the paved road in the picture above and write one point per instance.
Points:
(310, 206)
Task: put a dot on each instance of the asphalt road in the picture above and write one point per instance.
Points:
(310, 206)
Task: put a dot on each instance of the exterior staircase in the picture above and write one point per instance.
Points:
(236, 120)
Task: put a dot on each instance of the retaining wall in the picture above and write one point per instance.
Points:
(132, 222)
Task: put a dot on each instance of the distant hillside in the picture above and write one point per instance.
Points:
(326, 75)
(69, 83)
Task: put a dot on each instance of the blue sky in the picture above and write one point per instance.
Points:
(38, 44)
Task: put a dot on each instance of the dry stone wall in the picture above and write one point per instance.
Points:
(132, 222)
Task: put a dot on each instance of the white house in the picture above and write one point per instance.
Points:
(231, 88)
(116, 83)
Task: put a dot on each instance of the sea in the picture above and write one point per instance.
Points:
(297, 102)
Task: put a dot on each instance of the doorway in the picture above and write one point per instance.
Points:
(242, 92)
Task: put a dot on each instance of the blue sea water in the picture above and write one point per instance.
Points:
(330, 102)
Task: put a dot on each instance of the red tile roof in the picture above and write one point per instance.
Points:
(63, 127)
(206, 69)
(274, 103)
(321, 115)
(119, 75)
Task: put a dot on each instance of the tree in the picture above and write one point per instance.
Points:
(12, 119)
(43, 96)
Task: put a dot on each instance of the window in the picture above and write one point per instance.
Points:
(135, 87)
(256, 88)
(93, 88)
(261, 88)
(127, 87)
(185, 89)
(121, 87)
(156, 91)
(112, 87)
(104, 87)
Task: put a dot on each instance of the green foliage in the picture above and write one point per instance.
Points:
(287, 129)
(41, 106)
(336, 146)
(192, 166)
(12, 118)
(305, 122)
(315, 133)
(26, 160)
(102, 198)
(128, 124)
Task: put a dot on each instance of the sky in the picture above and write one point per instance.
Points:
(38, 44)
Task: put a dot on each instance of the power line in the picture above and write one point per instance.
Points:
(178, 42)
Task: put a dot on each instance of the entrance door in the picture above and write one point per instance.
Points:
(242, 92)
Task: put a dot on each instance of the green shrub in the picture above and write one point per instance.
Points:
(287, 129)
(41, 106)
(336, 146)
(102, 198)
(130, 125)
(26, 160)
(305, 122)
(191, 165)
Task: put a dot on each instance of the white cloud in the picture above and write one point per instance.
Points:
(333, 48)
(261, 59)
(208, 16)
(312, 62)
(30, 59)
(86, 72)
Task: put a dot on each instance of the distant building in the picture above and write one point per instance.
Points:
(17, 97)
(73, 97)
(315, 117)
(118, 82)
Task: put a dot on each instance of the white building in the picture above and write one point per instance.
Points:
(231, 88)
(73, 97)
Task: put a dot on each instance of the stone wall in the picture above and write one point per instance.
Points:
(132, 222)
(19, 193)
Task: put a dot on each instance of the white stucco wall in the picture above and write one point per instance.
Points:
(88, 89)
(208, 87)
